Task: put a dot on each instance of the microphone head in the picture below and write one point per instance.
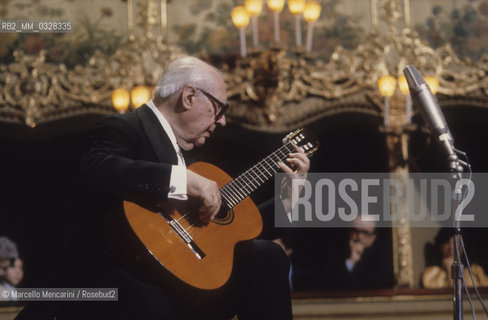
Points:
(414, 78)
(427, 103)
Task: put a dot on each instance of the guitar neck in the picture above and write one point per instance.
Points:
(249, 181)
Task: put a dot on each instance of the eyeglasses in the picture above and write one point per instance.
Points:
(364, 232)
(221, 106)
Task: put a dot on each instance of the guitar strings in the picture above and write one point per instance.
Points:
(240, 181)
(236, 196)
(237, 181)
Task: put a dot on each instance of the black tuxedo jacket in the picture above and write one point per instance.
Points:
(127, 157)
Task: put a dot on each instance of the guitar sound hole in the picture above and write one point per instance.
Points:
(225, 215)
(223, 212)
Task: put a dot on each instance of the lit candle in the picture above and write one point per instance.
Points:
(276, 6)
(121, 100)
(386, 85)
(402, 83)
(130, 19)
(254, 8)
(433, 83)
(296, 8)
(311, 14)
(139, 96)
(240, 18)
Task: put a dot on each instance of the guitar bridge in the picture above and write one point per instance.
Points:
(184, 235)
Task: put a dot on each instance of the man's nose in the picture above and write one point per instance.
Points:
(222, 121)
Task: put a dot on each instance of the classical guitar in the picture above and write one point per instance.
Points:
(202, 256)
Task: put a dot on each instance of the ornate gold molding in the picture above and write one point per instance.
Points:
(273, 91)
(33, 91)
(270, 90)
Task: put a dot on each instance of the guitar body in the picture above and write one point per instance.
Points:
(192, 258)
(216, 241)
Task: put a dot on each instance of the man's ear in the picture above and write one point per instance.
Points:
(188, 96)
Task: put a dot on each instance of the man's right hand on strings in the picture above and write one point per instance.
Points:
(207, 194)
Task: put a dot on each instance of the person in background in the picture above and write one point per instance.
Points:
(439, 275)
(365, 264)
(15, 273)
(357, 258)
(8, 255)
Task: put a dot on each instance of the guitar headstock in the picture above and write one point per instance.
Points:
(303, 139)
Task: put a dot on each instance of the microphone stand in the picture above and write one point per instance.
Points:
(457, 267)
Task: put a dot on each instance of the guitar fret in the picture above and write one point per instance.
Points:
(270, 175)
(278, 159)
(290, 146)
(272, 160)
(226, 197)
(276, 153)
(233, 193)
(252, 179)
(284, 155)
(249, 183)
(271, 165)
(232, 201)
(249, 174)
(242, 185)
(223, 195)
(238, 189)
(258, 175)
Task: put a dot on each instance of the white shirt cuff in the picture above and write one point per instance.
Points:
(177, 183)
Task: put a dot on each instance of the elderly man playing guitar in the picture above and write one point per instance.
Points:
(192, 255)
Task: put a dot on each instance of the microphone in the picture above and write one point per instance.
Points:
(429, 108)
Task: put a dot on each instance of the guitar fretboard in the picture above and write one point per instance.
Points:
(245, 184)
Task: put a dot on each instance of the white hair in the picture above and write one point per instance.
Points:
(185, 71)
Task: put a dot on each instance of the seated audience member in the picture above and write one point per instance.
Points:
(8, 254)
(357, 258)
(15, 273)
(439, 275)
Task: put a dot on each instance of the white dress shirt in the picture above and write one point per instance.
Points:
(177, 182)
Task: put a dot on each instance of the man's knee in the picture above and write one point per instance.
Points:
(271, 255)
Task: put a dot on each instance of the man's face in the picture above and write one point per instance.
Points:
(364, 232)
(203, 117)
(447, 249)
(15, 272)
